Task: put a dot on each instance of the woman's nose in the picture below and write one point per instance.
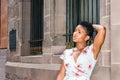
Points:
(74, 34)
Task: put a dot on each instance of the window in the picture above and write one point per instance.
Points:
(36, 30)
(12, 40)
(80, 10)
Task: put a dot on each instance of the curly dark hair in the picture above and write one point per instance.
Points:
(89, 28)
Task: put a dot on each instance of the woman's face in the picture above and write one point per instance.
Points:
(80, 34)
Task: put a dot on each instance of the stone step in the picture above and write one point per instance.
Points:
(34, 66)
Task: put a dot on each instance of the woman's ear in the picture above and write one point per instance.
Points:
(87, 38)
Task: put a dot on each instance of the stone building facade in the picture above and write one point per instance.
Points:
(21, 65)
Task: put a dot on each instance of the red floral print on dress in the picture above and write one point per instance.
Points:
(92, 49)
(78, 66)
(89, 66)
(76, 74)
(79, 70)
(84, 51)
(67, 64)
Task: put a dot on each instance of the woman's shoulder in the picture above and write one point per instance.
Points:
(65, 54)
(68, 51)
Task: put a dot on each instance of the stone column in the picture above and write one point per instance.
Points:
(60, 27)
(115, 38)
(104, 60)
(14, 23)
(47, 41)
(25, 27)
(54, 25)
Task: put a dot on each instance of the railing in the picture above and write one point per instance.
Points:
(36, 47)
(36, 30)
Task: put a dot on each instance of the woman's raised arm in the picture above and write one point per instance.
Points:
(99, 39)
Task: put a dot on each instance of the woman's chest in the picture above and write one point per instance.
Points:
(72, 61)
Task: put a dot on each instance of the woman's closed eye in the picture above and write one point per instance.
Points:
(79, 32)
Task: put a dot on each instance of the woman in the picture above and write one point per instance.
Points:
(78, 63)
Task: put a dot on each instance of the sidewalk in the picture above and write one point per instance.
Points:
(2, 64)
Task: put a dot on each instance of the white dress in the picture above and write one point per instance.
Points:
(83, 67)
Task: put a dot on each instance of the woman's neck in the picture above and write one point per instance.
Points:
(80, 46)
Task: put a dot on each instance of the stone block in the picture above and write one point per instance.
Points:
(115, 72)
(56, 59)
(47, 7)
(43, 74)
(60, 24)
(106, 59)
(52, 7)
(101, 73)
(11, 70)
(23, 72)
(115, 50)
(47, 43)
(115, 12)
(59, 40)
(46, 50)
(25, 48)
(108, 11)
(47, 24)
(102, 8)
(60, 7)
(26, 9)
(99, 60)
(105, 21)
(52, 26)
(58, 49)
(45, 59)
(108, 1)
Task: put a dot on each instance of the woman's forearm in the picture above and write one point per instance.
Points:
(60, 76)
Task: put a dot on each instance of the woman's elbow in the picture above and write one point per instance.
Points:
(103, 29)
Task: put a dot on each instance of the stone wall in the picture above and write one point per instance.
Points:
(54, 25)
(20, 64)
(21, 67)
(115, 31)
(27, 71)
(104, 60)
(14, 23)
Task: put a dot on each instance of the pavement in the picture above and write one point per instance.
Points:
(2, 64)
